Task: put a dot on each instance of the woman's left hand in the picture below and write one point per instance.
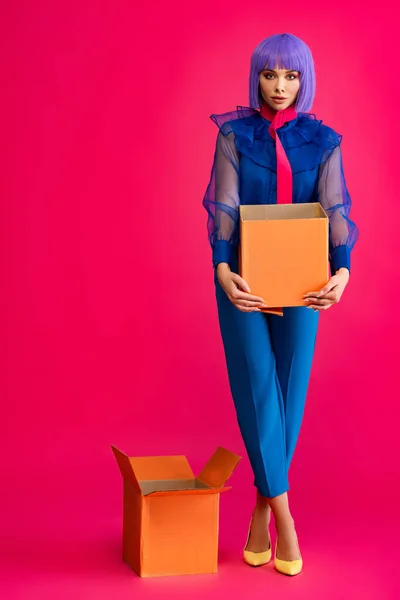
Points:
(330, 294)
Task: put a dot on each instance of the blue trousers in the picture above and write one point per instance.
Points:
(269, 361)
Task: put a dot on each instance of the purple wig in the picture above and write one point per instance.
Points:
(288, 52)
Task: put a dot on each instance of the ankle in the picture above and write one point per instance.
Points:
(284, 525)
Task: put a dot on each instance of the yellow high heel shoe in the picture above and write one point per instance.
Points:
(256, 559)
(288, 567)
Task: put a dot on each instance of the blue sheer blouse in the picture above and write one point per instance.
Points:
(244, 172)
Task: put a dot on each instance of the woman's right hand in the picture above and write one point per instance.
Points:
(237, 290)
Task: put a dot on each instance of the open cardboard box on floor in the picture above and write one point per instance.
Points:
(283, 252)
(171, 517)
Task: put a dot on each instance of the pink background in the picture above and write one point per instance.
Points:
(108, 311)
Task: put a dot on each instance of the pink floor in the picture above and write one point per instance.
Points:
(109, 327)
(62, 539)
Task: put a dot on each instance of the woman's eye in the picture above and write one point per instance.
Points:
(271, 75)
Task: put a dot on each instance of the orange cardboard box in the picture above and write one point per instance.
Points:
(284, 251)
(171, 517)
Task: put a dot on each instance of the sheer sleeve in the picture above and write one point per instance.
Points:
(334, 197)
(221, 199)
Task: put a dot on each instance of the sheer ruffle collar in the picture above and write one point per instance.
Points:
(248, 123)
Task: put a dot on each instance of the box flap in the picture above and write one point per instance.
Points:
(125, 467)
(219, 468)
(272, 311)
(198, 492)
(168, 485)
(161, 468)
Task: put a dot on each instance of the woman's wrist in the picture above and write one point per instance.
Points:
(222, 266)
(343, 272)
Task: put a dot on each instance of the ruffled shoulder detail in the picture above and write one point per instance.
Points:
(241, 121)
(253, 139)
(239, 113)
(313, 129)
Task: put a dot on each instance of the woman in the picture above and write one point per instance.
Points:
(259, 151)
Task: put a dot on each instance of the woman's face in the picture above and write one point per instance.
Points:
(279, 82)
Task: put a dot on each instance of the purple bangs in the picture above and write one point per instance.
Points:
(288, 52)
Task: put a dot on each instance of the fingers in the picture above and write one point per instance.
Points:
(247, 310)
(332, 283)
(321, 301)
(243, 292)
(239, 295)
(321, 305)
(330, 298)
(317, 308)
(327, 288)
(241, 282)
(245, 289)
(246, 304)
(243, 302)
(313, 295)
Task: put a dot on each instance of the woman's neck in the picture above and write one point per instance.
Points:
(267, 111)
(278, 117)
